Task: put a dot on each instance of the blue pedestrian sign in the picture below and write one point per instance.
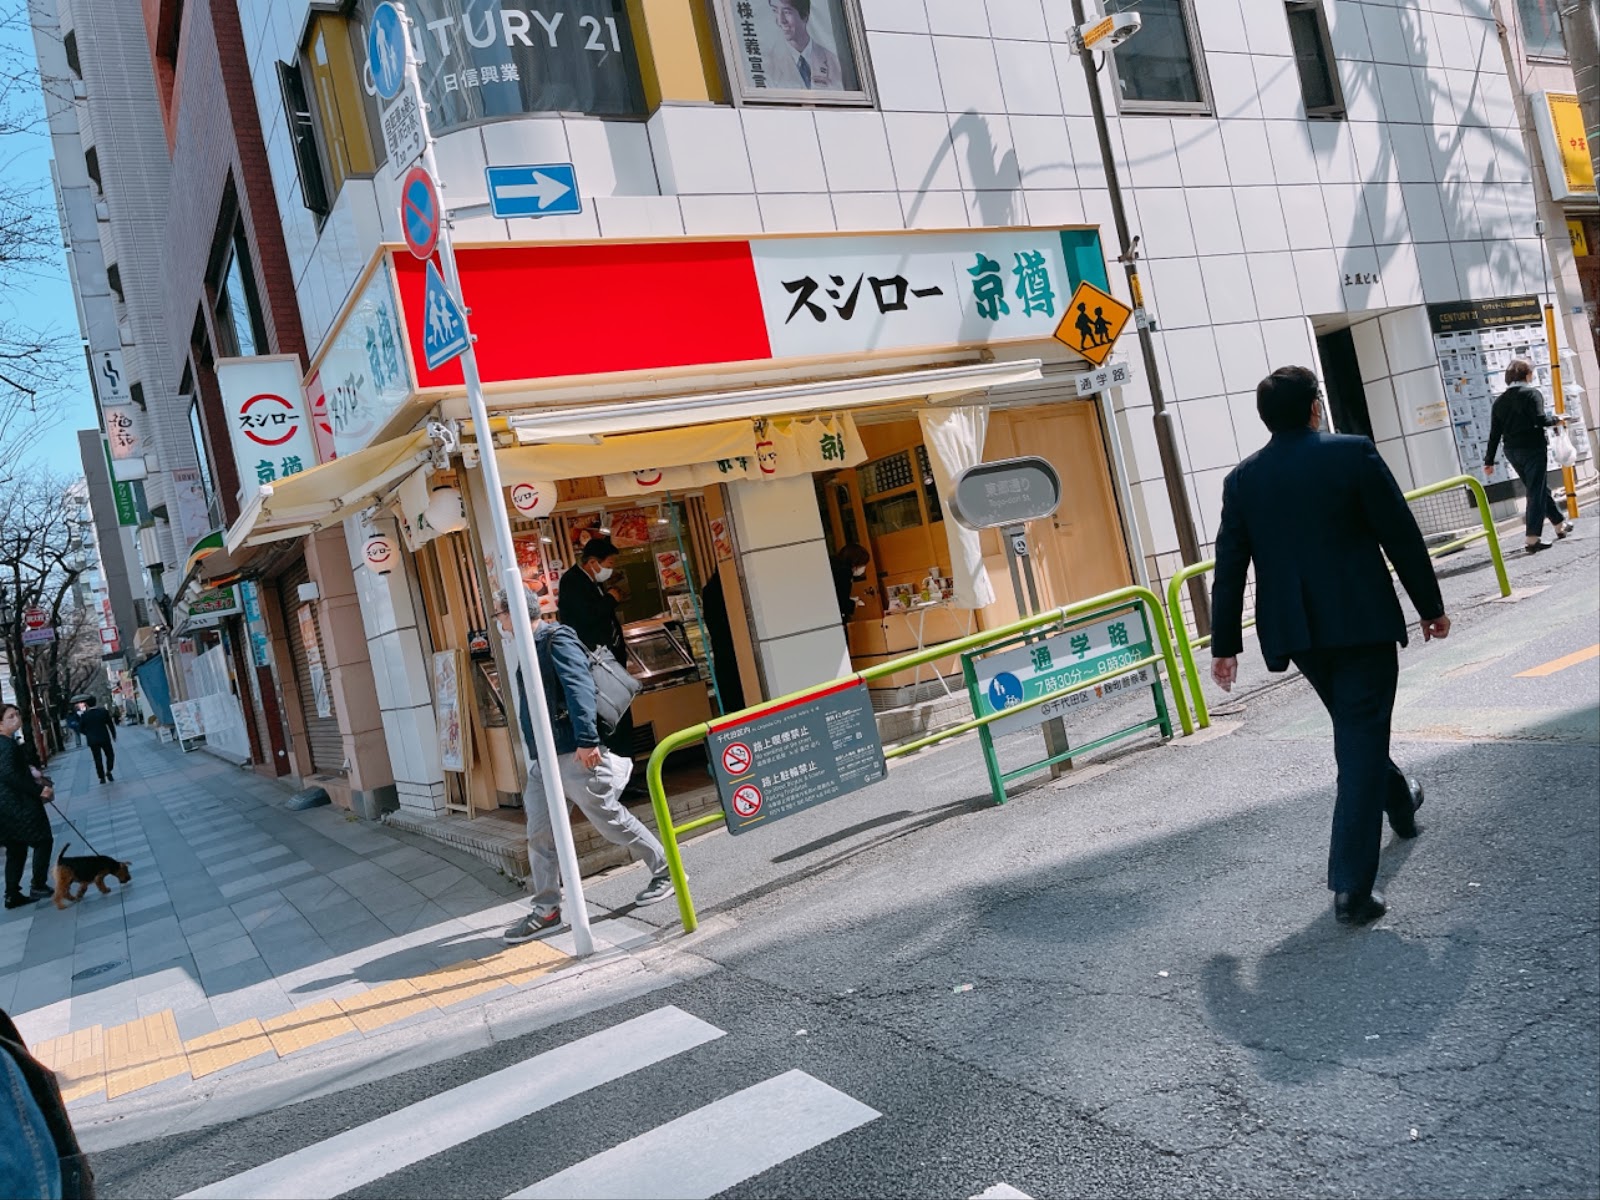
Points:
(546, 190)
(444, 325)
(1005, 689)
(386, 50)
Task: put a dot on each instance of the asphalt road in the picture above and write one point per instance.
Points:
(1126, 982)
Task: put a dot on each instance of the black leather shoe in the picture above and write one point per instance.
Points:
(1405, 824)
(19, 901)
(1358, 908)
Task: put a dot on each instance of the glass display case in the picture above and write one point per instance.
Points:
(659, 653)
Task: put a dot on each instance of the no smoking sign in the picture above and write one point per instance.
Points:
(747, 801)
(736, 762)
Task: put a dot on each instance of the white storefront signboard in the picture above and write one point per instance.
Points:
(267, 421)
(363, 374)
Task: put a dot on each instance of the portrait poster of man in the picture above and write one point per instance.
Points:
(789, 49)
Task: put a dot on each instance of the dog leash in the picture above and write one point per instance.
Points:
(74, 828)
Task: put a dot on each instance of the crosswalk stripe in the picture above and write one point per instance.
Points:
(1002, 1191)
(369, 1152)
(715, 1147)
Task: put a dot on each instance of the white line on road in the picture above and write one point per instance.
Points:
(1002, 1191)
(381, 1147)
(754, 1130)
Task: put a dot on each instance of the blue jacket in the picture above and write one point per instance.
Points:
(569, 693)
(1316, 513)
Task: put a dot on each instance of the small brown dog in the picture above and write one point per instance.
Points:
(84, 869)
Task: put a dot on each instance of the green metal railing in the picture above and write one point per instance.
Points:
(1187, 644)
(670, 832)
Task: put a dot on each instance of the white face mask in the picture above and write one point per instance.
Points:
(859, 573)
(603, 574)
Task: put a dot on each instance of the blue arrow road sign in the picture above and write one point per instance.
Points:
(546, 190)
(444, 325)
(386, 50)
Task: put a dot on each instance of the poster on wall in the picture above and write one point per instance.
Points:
(453, 739)
(319, 677)
(541, 572)
(671, 570)
(783, 51)
(721, 538)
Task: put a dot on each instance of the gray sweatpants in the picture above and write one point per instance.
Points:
(597, 794)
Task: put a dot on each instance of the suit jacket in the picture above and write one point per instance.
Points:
(97, 727)
(783, 67)
(1316, 513)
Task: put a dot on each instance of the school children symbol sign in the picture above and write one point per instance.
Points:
(1092, 323)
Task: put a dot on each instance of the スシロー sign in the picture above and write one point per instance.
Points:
(267, 420)
(805, 753)
(1008, 492)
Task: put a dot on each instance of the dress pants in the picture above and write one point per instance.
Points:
(1530, 466)
(16, 852)
(1356, 685)
(105, 758)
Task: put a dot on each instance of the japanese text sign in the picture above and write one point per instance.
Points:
(802, 754)
(1006, 493)
(1562, 136)
(267, 420)
(363, 373)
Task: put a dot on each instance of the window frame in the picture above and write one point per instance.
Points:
(1204, 107)
(1336, 110)
(303, 140)
(855, 29)
(1542, 56)
(237, 256)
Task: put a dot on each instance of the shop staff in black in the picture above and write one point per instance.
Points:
(1519, 418)
(588, 607)
(1316, 513)
(100, 731)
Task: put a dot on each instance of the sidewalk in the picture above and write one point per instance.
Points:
(248, 932)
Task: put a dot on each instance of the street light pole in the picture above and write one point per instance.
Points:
(1166, 438)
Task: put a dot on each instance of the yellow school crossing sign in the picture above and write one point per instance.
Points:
(1093, 322)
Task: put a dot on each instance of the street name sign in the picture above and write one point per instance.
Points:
(1094, 319)
(444, 325)
(1008, 492)
(801, 754)
(1112, 375)
(403, 136)
(419, 213)
(544, 190)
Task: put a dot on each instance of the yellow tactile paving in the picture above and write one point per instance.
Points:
(522, 963)
(308, 1026)
(211, 1052)
(143, 1052)
(457, 982)
(385, 1004)
(78, 1059)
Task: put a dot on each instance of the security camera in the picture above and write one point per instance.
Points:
(1107, 33)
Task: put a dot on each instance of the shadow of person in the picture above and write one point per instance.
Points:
(1328, 997)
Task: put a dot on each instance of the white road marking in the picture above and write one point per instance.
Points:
(381, 1147)
(1002, 1191)
(713, 1148)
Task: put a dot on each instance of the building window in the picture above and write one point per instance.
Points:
(239, 325)
(795, 51)
(329, 67)
(198, 433)
(91, 163)
(114, 281)
(303, 136)
(1161, 68)
(69, 43)
(1541, 28)
(1313, 56)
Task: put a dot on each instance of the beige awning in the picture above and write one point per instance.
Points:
(630, 452)
(304, 503)
(591, 424)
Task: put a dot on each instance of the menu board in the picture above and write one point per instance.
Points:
(1475, 341)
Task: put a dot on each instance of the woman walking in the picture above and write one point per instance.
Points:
(1519, 418)
(24, 825)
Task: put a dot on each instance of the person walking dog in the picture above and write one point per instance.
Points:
(1519, 419)
(24, 824)
(1316, 513)
(100, 731)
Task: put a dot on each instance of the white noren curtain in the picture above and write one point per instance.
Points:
(954, 437)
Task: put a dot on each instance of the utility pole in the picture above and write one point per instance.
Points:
(1578, 29)
(1166, 438)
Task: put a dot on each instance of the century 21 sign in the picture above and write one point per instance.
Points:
(268, 427)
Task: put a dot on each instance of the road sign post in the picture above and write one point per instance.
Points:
(542, 753)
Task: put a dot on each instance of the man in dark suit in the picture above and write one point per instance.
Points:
(100, 731)
(1316, 513)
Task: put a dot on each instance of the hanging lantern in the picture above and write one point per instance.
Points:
(380, 552)
(447, 512)
(533, 498)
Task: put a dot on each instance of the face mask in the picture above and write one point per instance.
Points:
(859, 573)
(603, 574)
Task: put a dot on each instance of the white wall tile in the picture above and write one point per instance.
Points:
(1369, 141)
(855, 151)
(1261, 218)
(969, 75)
(461, 161)
(1381, 409)
(784, 153)
(612, 158)
(935, 210)
(1336, 158)
(996, 209)
(1386, 213)
(642, 216)
(1290, 342)
(528, 140)
(1177, 293)
(906, 72)
(1358, 82)
(1234, 91)
(868, 211)
(1439, 283)
(1433, 456)
(1306, 217)
(1384, 37)
(1202, 161)
(1399, 94)
(1360, 279)
(1425, 212)
(1221, 29)
(1347, 29)
(1276, 288)
(1208, 433)
(962, 18)
(1049, 209)
(1044, 153)
(679, 137)
(1023, 19)
(1229, 289)
(1413, 152)
(1371, 357)
(1289, 158)
(1321, 281)
(1407, 341)
(895, 16)
(797, 214)
(1086, 158)
(1279, 82)
(1195, 368)
(1265, 27)
(1402, 278)
(919, 145)
(1151, 158)
(707, 216)
(1027, 77)
(985, 158)
(1214, 220)
(1072, 82)
(1244, 360)
(1164, 223)
(1347, 215)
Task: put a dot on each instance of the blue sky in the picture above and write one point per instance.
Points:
(46, 297)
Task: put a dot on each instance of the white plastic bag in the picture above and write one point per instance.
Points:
(1562, 449)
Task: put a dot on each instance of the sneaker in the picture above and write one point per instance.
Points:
(532, 926)
(1564, 529)
(657, 890)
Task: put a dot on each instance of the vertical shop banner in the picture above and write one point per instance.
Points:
(321, 419)
(1567, 165)
(255, 624)
(194, 508)
(267, 422)
(319, 678)
(454, 737)
(122, 493)
(125, 437)
(363, 372)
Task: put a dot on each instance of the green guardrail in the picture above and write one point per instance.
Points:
(670, 832)
(1188, 644)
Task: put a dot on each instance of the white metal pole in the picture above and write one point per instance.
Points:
(543, 751)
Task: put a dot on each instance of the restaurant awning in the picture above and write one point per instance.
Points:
(590, 423)
(304, 503)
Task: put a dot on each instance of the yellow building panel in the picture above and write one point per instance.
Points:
(239, 1043)
(308, 1026)
(385, 1004)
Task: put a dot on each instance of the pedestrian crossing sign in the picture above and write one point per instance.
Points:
(444, 325)
(1093, 322)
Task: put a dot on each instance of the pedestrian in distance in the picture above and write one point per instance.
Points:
(100, 731)
(592, 777)
(1316, 513)
(24, 824)
(1520, 420)
(72, 724)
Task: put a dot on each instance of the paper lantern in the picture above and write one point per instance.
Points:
(380, 552)
(533, 497)
(447, 512)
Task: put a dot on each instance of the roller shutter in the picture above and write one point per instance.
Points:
(327, 746)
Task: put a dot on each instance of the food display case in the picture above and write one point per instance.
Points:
(674, 695)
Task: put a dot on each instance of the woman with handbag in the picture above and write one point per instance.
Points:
(1520, 420)
(24, 824)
